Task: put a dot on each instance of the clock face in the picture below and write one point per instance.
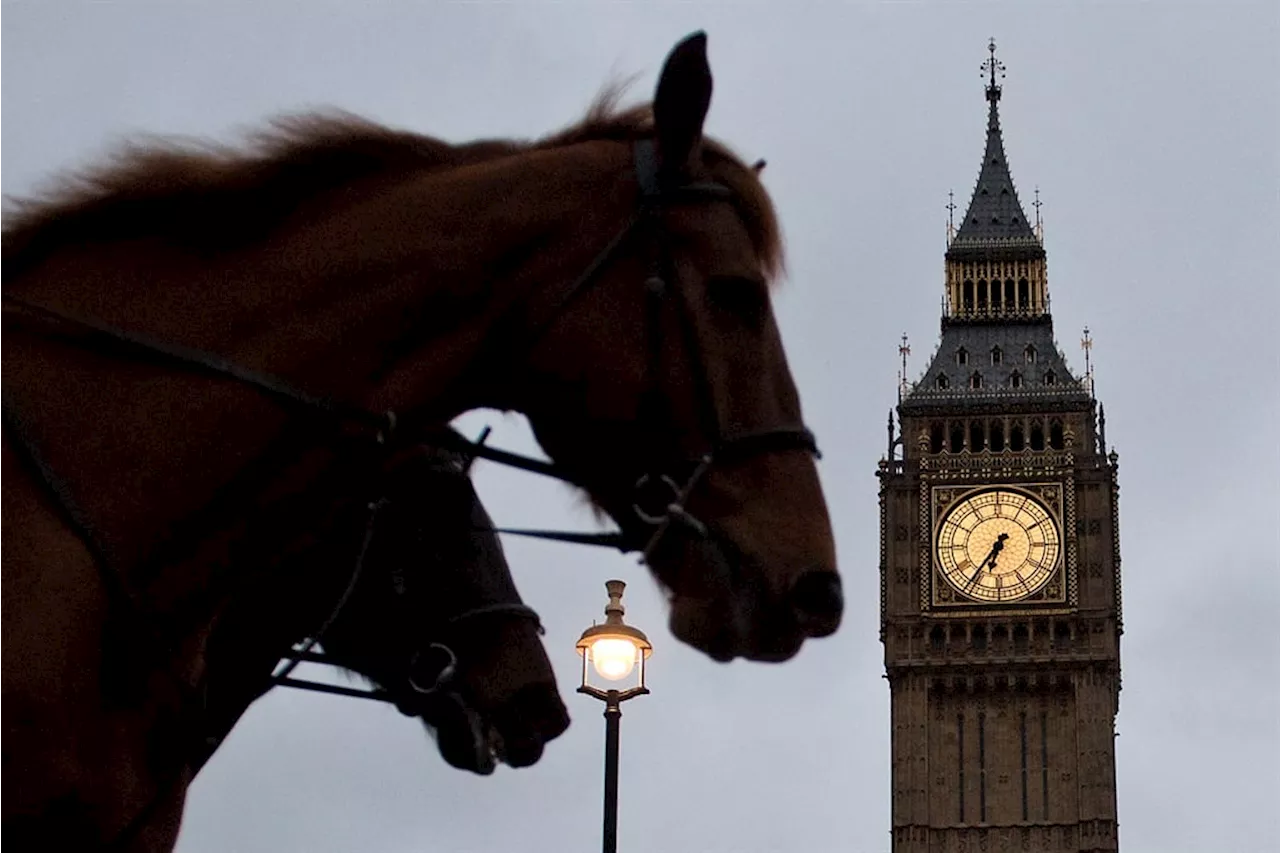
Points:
(998, 545)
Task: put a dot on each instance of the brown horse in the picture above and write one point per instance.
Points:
(176, 325)
(431, 582)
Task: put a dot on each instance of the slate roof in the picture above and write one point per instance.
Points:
(995, 217)
(978, 339)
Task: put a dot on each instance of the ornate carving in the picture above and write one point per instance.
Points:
(1115, 547)
(884, 559)
(992, 466)
(1071, 546)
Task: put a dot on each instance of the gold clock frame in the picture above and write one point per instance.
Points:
(1057, 594)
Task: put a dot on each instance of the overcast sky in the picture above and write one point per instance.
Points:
(1152, 132)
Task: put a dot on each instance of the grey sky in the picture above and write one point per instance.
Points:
(1151, 130)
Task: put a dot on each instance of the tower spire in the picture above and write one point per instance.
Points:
(995, 259)
(995, 214)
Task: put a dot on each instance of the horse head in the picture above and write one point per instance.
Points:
(658, 379)
(413, 593)
(436, 621)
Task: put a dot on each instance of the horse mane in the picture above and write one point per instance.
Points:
(208, 196)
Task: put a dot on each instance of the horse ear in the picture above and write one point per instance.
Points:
(680, 104)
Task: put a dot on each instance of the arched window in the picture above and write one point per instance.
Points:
(1029, 354)
(935, 437)
(942, 381)
(1050, 378)
(976, 442)
(968, 296)
(962, 356)
(957, 437)
(1024, 295)
(1015, 380)
(995, 433)
(1055, 434)
(995, 296)
(1037, 436)
(1010, 304)
(1061, 634)
(975, 381)
(997, 355)
(982, 296)
(1016, 440)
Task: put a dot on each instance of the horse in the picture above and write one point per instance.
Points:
(437, 598)
(429, 615)
(189, 332)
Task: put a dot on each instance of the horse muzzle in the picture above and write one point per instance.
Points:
(514, 733)
(738, 613)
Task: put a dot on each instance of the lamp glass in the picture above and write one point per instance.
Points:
(614, 657)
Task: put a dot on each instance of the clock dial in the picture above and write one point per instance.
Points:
(998, 545)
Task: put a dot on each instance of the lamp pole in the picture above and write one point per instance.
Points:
(614, 651)
(612, 727)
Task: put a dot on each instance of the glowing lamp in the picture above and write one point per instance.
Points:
(614, 651)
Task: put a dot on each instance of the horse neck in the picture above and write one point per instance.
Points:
(384, 294)
(483, 239)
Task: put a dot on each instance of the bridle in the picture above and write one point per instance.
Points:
(442, 677)
(658, 190)
(427, 682)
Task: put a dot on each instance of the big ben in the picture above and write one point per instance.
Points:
(1000, 559)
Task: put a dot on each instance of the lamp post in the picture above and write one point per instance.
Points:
(616, 652)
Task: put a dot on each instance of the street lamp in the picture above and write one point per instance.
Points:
(616, 652)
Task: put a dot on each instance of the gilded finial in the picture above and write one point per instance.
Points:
(904, 350)
(991, 68)
(1086, 344)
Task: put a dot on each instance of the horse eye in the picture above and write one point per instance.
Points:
(747, 298)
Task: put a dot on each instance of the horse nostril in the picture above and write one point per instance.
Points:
(818, 602)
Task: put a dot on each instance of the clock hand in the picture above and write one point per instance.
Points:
(995, 550)
(988, 562)
(977, 569)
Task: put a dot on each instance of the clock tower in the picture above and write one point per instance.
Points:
(1000, 559)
